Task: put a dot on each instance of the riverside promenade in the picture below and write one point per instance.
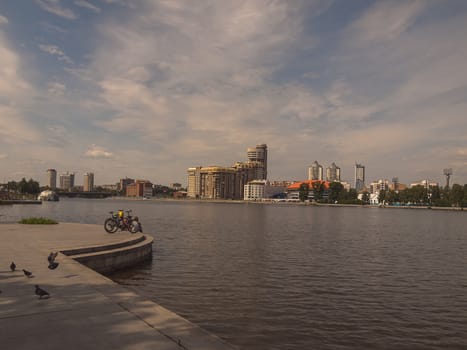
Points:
(85, 310)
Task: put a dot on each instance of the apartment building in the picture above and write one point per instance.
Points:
(139, 188)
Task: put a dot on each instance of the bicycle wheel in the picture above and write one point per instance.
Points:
(110, 225)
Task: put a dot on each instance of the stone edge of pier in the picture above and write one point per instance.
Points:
(82, 296)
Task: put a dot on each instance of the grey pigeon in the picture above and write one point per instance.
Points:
(41, 293)
(12, 266)
(52, 256)
(27, 273)
(53, 265)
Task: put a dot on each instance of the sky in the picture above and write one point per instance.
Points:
(148, 88)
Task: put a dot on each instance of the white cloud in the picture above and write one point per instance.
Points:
(15, 130)
(387, 20)
(55, 50)
(88, 5)
(53, 28)
(11, 83)
(14, 91)
(56, 88)
(98, 152)
(54, 6)
(3, 20)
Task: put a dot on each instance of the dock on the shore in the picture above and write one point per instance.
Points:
(86, 310)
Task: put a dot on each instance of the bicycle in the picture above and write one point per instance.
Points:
(120, 221)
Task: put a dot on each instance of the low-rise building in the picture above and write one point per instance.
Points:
(293, 191)
(260, 190)
(140, 188)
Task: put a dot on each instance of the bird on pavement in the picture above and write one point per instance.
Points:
(52, 256)
(41, 293)
(12, 266)
(53, 265)
(27, 273)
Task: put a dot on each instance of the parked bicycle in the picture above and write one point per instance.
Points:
(118, 221)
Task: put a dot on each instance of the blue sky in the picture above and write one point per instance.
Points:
(147, 88)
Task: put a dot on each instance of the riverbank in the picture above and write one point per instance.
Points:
(19, 201)
(295, 203)
(86, 310)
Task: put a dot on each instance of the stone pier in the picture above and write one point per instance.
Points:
(85, 310)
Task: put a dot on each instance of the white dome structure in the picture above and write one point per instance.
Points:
(48, 195)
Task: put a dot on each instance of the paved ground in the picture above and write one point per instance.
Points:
(86, 310)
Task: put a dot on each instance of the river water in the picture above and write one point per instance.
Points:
(297, 277)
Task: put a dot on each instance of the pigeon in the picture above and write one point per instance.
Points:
(41, 293)
(52, 256)
(27, 273)
(53, 265)
(12, 266)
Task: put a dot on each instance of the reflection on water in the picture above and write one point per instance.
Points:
(294, 277)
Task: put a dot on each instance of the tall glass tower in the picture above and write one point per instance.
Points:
(359, 177)
(333, 173)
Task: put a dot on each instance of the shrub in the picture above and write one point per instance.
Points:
(38, 221)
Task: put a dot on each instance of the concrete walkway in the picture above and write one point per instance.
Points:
(86, 310)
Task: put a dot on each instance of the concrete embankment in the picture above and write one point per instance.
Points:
(85, 310)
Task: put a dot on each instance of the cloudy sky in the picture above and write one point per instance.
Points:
(148, 88)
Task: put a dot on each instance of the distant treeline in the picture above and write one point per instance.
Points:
(455, 196)
(24, 186)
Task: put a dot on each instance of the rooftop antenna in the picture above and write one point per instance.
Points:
(447, 173)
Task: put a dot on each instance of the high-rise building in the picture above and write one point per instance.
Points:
(315, 171)
(259, 154)
(359, 177)
(333, 173)
(52, 178)
(212, 182)
(217, 182)
(194, 182)
(88, 183)
(67, 181)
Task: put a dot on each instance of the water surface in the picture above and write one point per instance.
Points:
(298, 277)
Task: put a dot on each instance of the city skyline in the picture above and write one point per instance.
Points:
(150, 89)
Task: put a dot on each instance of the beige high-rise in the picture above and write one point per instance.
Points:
(259, 154)
(52, 178)
(88, 182)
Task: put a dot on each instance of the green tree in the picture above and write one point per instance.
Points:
(464, 200)
(28, 187)
(303, 191)
(352, 194)
(456, 195)
(335, 190)
(23, 186)
(391, 197)
(33, 186)
(12, 186)
(365, 197)
(318, 190)
(382, 196)
(435, 193)
(418, 194)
